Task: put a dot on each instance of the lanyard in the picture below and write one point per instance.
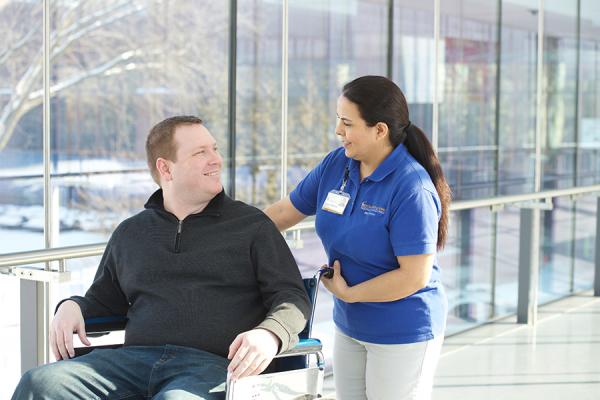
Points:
(345, 180)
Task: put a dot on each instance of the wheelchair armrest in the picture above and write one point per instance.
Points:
(302, 348)
(99, 326)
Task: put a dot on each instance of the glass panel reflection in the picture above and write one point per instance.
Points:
(117, 69)
(413, 58)
(466, 268)
(585, 242)
(556, 250)
(258, 114)
(467, 79)
(588, 168)
(506, 261)
(330, 44)
(559, 93)
(21, 184)
(517, 96)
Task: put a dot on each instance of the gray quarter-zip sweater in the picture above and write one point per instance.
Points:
(201, 281)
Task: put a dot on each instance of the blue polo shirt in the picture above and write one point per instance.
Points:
(393, 212)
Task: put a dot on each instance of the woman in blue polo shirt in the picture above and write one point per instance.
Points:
(381, 205)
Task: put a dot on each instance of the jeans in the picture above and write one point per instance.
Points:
(133, 372)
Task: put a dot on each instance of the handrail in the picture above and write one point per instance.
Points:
(496, 201)
(62, 253)
(519, 198)
(47, 255)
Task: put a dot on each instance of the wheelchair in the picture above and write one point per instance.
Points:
(296, 376)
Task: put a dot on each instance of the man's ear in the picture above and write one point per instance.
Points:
(164, 169)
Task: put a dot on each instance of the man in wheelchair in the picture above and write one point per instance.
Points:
(208, 286)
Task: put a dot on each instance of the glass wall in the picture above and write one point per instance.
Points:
(21, 166)
(258, 101)
(588, 144)
(467, 76)
(466, 263)
(584, 243)
(413, 59)
(556, 252)
(330, 42)
(506, 262)
(588, 122)
(517, 97)
(21, 183)
(559, 94)
(118, 67)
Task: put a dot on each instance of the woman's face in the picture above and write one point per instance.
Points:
(358, 139)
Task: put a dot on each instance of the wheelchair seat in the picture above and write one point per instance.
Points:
(294, 378)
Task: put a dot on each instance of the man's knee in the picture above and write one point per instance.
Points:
(31, 385)
(42, 382)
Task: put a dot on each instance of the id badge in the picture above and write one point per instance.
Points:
(336, 202)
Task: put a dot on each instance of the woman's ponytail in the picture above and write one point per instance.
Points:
(420, 148)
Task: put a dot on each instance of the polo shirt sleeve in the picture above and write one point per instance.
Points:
(305, 196)
(414, 224)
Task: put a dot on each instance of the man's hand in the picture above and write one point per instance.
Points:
(68, 319)
(251, 352)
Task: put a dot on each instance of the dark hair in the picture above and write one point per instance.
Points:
(381, 100)
(160, 141)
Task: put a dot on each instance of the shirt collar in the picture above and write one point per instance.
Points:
(389, 164)
(214, 207)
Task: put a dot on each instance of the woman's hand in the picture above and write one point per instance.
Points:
(336, 284)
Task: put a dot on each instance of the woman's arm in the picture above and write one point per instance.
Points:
(411, 276)
(284, 214)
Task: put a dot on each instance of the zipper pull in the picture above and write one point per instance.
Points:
(178, 237)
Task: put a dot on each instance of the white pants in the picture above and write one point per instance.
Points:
(384, 371)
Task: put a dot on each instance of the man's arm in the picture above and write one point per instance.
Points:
(283, 295)
(281, 286)
(103, 298)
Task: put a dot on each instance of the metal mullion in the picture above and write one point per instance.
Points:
(577, 94)
(390, 40)
(498, 83)
(529, 225)
(43, 295)
(576, 156)
(436, 40)
(34, 296)
(529, 243)
(539, 98)
(232, 86)
(284, 98)
(597, 255)
(494, 263)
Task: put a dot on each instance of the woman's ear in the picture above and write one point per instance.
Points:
(382, 130)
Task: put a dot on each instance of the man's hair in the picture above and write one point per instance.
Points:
(160, 143)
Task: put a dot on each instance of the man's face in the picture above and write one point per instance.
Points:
(196, 175)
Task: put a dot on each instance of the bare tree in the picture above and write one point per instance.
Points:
(103, 46)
